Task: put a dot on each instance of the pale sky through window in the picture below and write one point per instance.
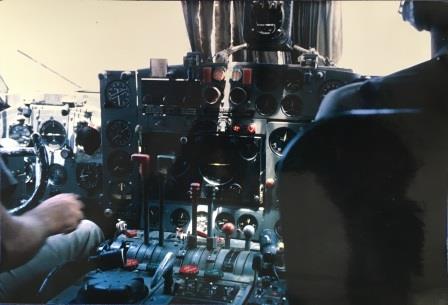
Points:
(80, 38)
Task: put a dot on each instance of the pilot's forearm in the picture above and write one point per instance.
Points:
(21, 238)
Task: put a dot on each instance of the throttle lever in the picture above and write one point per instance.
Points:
(165, 266)
(143, 168)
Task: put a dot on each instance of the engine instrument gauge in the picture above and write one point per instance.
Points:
(248, 149)
(223, 218)
(118, 132)
(21, 133)
(279, 138)
(329, 86)
(180, 218)
(122, 192)
(57, 175)
(292, 105)
(118, 94)
(202, 221)
(217, 164)
(266, 104)
(53, 133)
(119, 163)
(247, 219)
(88, 175)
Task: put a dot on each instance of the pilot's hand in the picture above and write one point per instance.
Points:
(59, 214)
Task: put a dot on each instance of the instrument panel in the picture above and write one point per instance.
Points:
(213, 135)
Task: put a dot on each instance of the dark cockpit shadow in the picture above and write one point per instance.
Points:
(363, 202)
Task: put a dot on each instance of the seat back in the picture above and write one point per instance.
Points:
(363, 200)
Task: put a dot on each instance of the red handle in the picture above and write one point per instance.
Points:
(143, 161)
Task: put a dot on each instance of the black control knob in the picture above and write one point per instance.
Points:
(89, 138)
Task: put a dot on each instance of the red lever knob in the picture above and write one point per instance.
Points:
(195, 186)
(228, 228)
(143, 161)
(189, 270)
(131, 263)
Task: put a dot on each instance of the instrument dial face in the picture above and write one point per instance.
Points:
(247, 219)
(266, 104)
(118, 94)
(119, 132)
(21, 133)
(248, 149)
(202, 221)
(292, 105)
(53, 133)
(121, 192)
(88, 175)
(180, 218)
(216, 165)
(119, 163)
(223, 218)
(279, 138)
(57, 174)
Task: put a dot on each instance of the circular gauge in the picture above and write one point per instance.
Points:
(121, 191)
(292, 105)
(119, 163)
(154, 216)
(238, 96)
(53, 133)
(223, 218)
(329, 86)
(202, 221)
(88, 175)
(278, 229)
(211, 95)
(180, 218)
(57, 174)
(21, 133)
(216, 164)
(266, 104)
(118, 94)
(247, 219)
(279, 138)
(119, 132)
(248, 149)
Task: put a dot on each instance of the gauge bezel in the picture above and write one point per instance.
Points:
(273, 102)
(94, 172)
(114, 156)
(274, 132)
(255, 224)
(60, 180)
(114, 126)
(232, 217)
(62, 134)
(297, 100)
(111, 101)
(174, 214)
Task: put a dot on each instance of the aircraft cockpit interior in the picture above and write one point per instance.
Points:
(263, 165)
